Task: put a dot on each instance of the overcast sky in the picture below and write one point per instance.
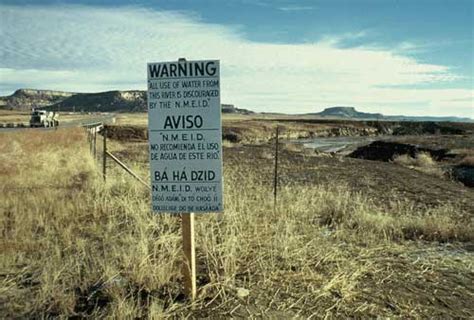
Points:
(412, 57)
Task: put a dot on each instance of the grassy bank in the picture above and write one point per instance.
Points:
(74, 246)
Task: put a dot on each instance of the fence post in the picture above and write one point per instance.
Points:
(275, 175)
(91, 141)
(104, 154)
(189, 265)
(95, 143)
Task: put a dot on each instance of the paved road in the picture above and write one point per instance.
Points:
(107, 119)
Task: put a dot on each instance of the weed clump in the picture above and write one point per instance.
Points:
(422, 162)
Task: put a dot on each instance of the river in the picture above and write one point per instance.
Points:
(337, 144)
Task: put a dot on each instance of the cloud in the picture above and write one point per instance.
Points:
(82, 48)
(296, 8)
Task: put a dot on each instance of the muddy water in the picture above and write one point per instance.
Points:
(338, 144)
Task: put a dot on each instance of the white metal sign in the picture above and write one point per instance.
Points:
(185, 134)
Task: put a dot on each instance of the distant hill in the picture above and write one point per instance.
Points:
(348, 112)
(25, 99)
(109, 101)
(352, 113)
(135, 101)
(432, 119)
(230, 108)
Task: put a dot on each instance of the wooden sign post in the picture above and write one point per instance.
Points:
(185, 136)
(189, 265)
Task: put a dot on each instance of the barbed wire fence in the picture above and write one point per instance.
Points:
(100, 129)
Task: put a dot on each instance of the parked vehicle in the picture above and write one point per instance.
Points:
(43, 118)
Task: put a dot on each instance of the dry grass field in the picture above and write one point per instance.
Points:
(8, 116)
(74, 246)
(141, 118)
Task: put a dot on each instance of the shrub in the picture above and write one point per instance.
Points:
(422, 162)
(404, 160)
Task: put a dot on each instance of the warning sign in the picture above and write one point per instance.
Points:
(185, 134)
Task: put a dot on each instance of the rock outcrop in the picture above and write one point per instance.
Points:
(230, 108)
(26, 99)
(109, 101)
(348, 113)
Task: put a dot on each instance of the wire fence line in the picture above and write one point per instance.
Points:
(93, 130)
(100, 128)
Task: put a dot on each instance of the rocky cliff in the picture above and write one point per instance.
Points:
(109, 101)
(25, 99)
(347, 113)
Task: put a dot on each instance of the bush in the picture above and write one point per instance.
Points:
(422, 162)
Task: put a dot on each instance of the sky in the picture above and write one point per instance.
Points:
(410, 57)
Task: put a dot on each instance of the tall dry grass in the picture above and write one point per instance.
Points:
(421, 162)
(74, 246)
